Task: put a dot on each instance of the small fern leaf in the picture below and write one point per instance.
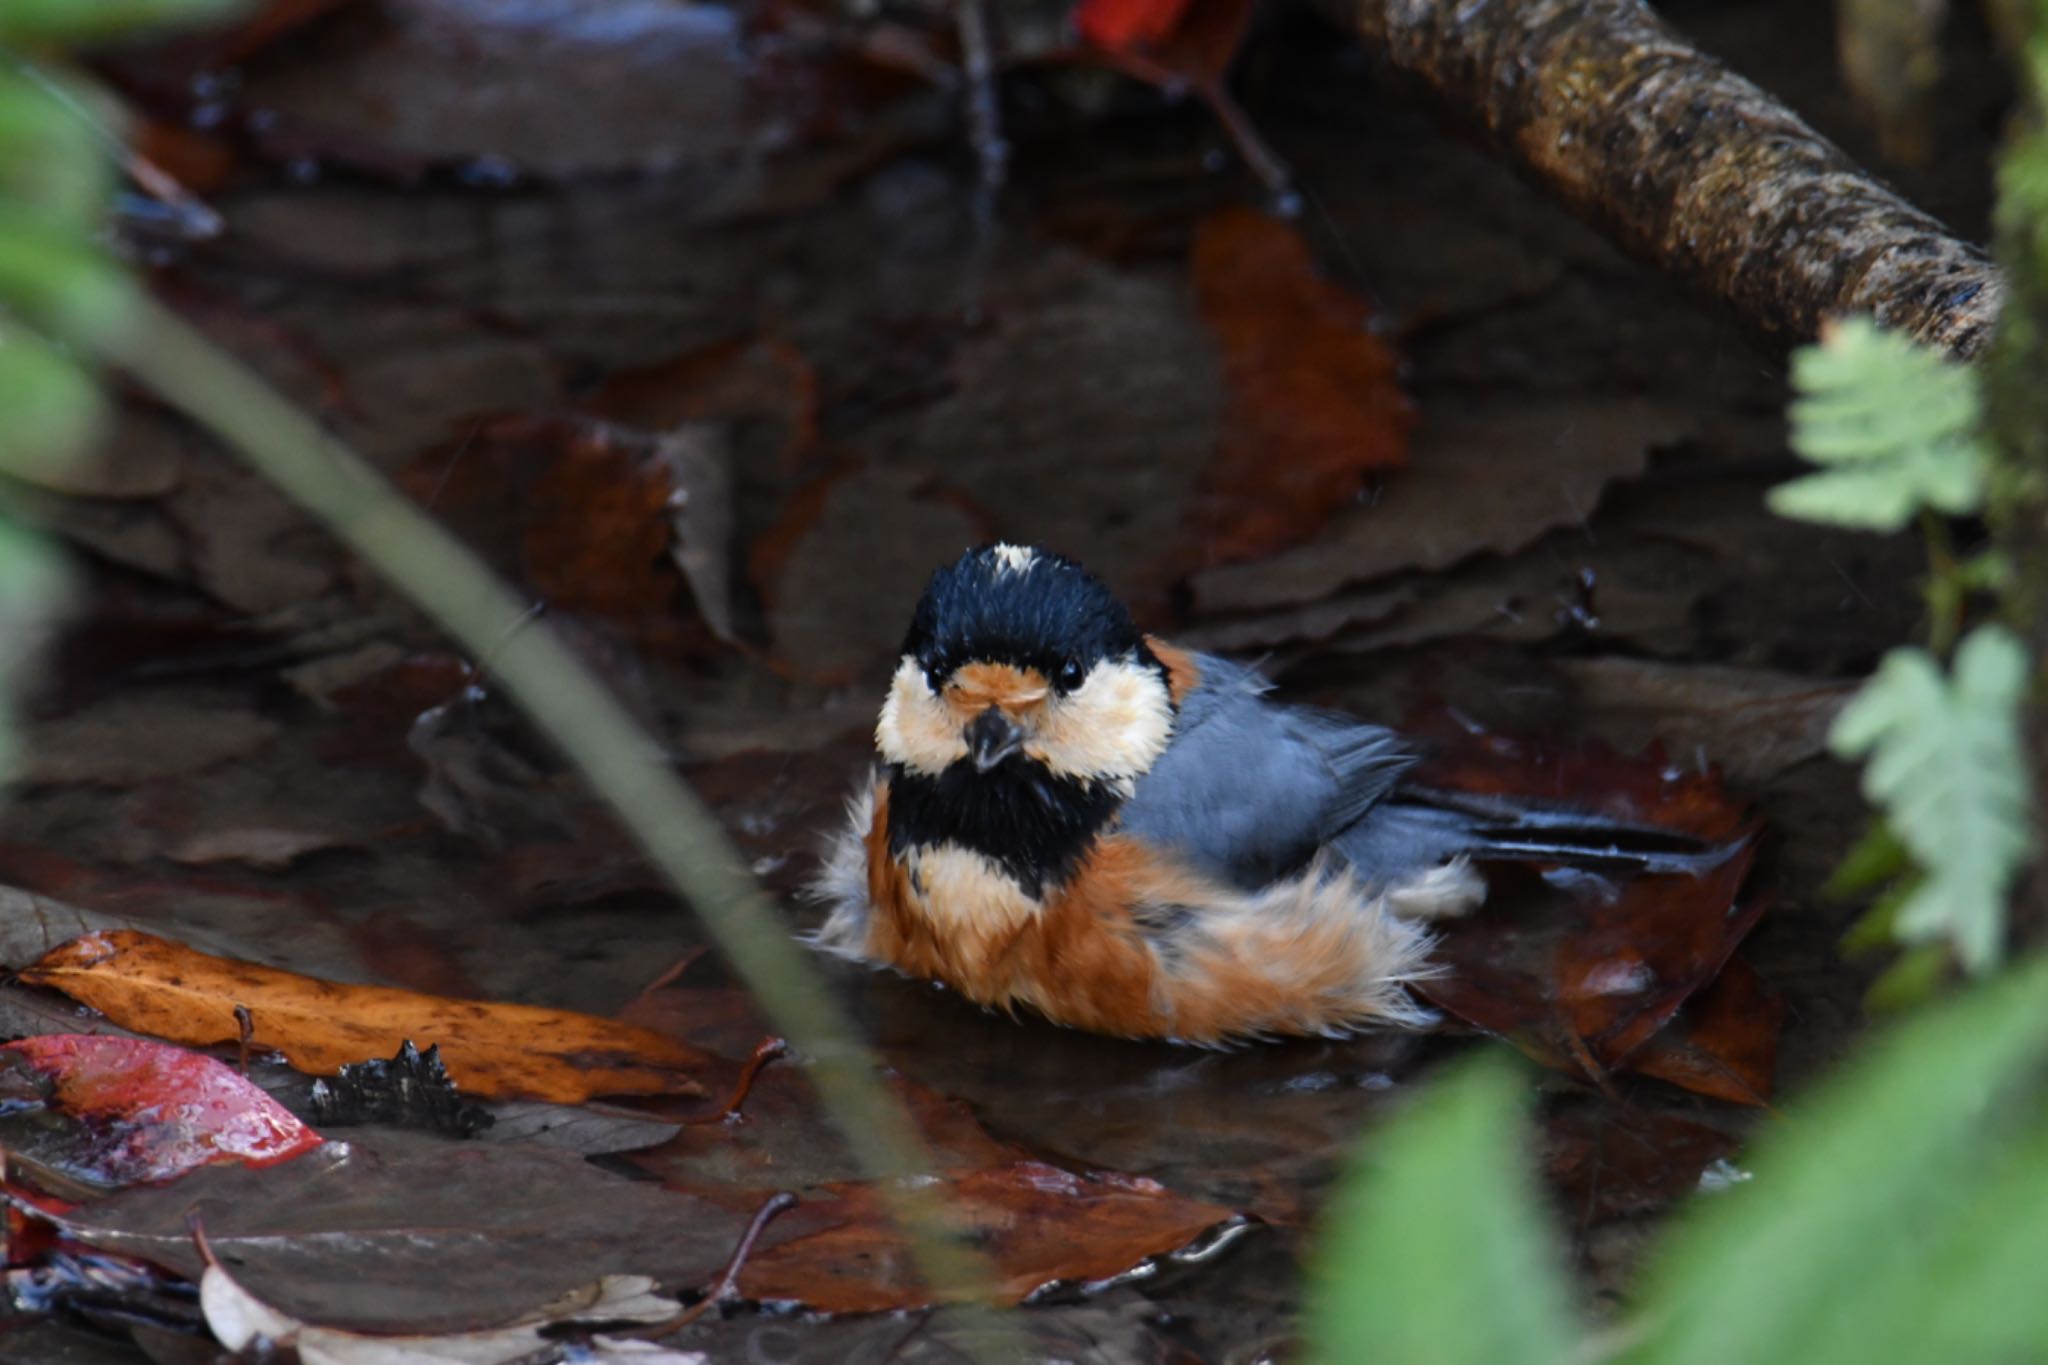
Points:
(1946, 766)
(1894, 424)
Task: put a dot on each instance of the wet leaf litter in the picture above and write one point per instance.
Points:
(718, 396)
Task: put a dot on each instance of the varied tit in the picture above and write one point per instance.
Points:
(1134, 839)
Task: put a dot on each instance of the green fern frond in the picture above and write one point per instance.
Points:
(1895, 424)
(1947, 767)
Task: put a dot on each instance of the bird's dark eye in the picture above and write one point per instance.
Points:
(1070, 675)
(935, 670)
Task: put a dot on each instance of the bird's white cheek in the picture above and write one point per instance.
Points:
(1115, 725)
(918, 730)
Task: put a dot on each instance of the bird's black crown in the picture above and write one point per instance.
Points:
(1031, 608)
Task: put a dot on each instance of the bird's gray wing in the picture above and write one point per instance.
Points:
(1250, 789)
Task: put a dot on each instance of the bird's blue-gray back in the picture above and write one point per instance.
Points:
(1251, 789)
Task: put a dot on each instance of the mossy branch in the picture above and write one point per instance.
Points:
(1686, 165)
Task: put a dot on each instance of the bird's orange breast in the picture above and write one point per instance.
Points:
(1135, 946)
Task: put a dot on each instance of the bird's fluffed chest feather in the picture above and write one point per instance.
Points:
(1131, 942)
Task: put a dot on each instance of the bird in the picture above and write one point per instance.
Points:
(1071, 817)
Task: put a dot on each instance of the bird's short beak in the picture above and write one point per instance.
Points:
(991, 738)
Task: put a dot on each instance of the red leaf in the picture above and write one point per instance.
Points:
(1167, 42)
(1128, 23)
(142, 1111)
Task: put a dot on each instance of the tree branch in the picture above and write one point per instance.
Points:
(1685, 164)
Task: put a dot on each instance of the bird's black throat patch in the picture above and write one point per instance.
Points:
(1033, 825)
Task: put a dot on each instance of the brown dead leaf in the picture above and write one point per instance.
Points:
(1315, 405)
(840, 1251)
(1490, 477)
(415, 83)
(762, 384)
(1039, 1224)
(1586, 971)
(579, 511)
(163, 988)
(138, 736)
(894, 525)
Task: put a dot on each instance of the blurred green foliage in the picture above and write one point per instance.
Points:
(1896, 426)
(1948, 768)
(1899, 1214)
(1438, 1250)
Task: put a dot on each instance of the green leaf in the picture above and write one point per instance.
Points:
(1911, 979)
(51, 164)
(30, 571)
(58, 280)
(1877, 858)
(1896, 424)
(71, 21)
(1435, 1248)
(1875, 1205)
(51, 406)
(1947, 767)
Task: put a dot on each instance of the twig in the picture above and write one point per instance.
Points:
(728, 1286)
(766, 1051)
(245, 1026)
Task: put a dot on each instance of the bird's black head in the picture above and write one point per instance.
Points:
(1026, 705)
(1028, 608)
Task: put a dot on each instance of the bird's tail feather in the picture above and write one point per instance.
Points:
(1506, 829)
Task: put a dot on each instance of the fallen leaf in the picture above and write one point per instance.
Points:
(142, 735)
(1167, 42)
(155, 986)
(839, 1250)
(1485, 478)
(764, 386)
(585, 515)
(240, 1320)
(1315, 403)
(1723, 1042)
(1582, 969)
(1606, 1161)
(894, 524)
(421, 83)
(397, 1232)
(1040, 1225)
(1756, 723)
(117, 1111)
(597, 536)
(1127, 23)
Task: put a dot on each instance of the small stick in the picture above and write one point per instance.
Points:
(728, 1286)
(246, 1022)
(766, 1051)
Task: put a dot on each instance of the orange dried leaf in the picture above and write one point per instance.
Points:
(155, 986)
(1315, 404)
